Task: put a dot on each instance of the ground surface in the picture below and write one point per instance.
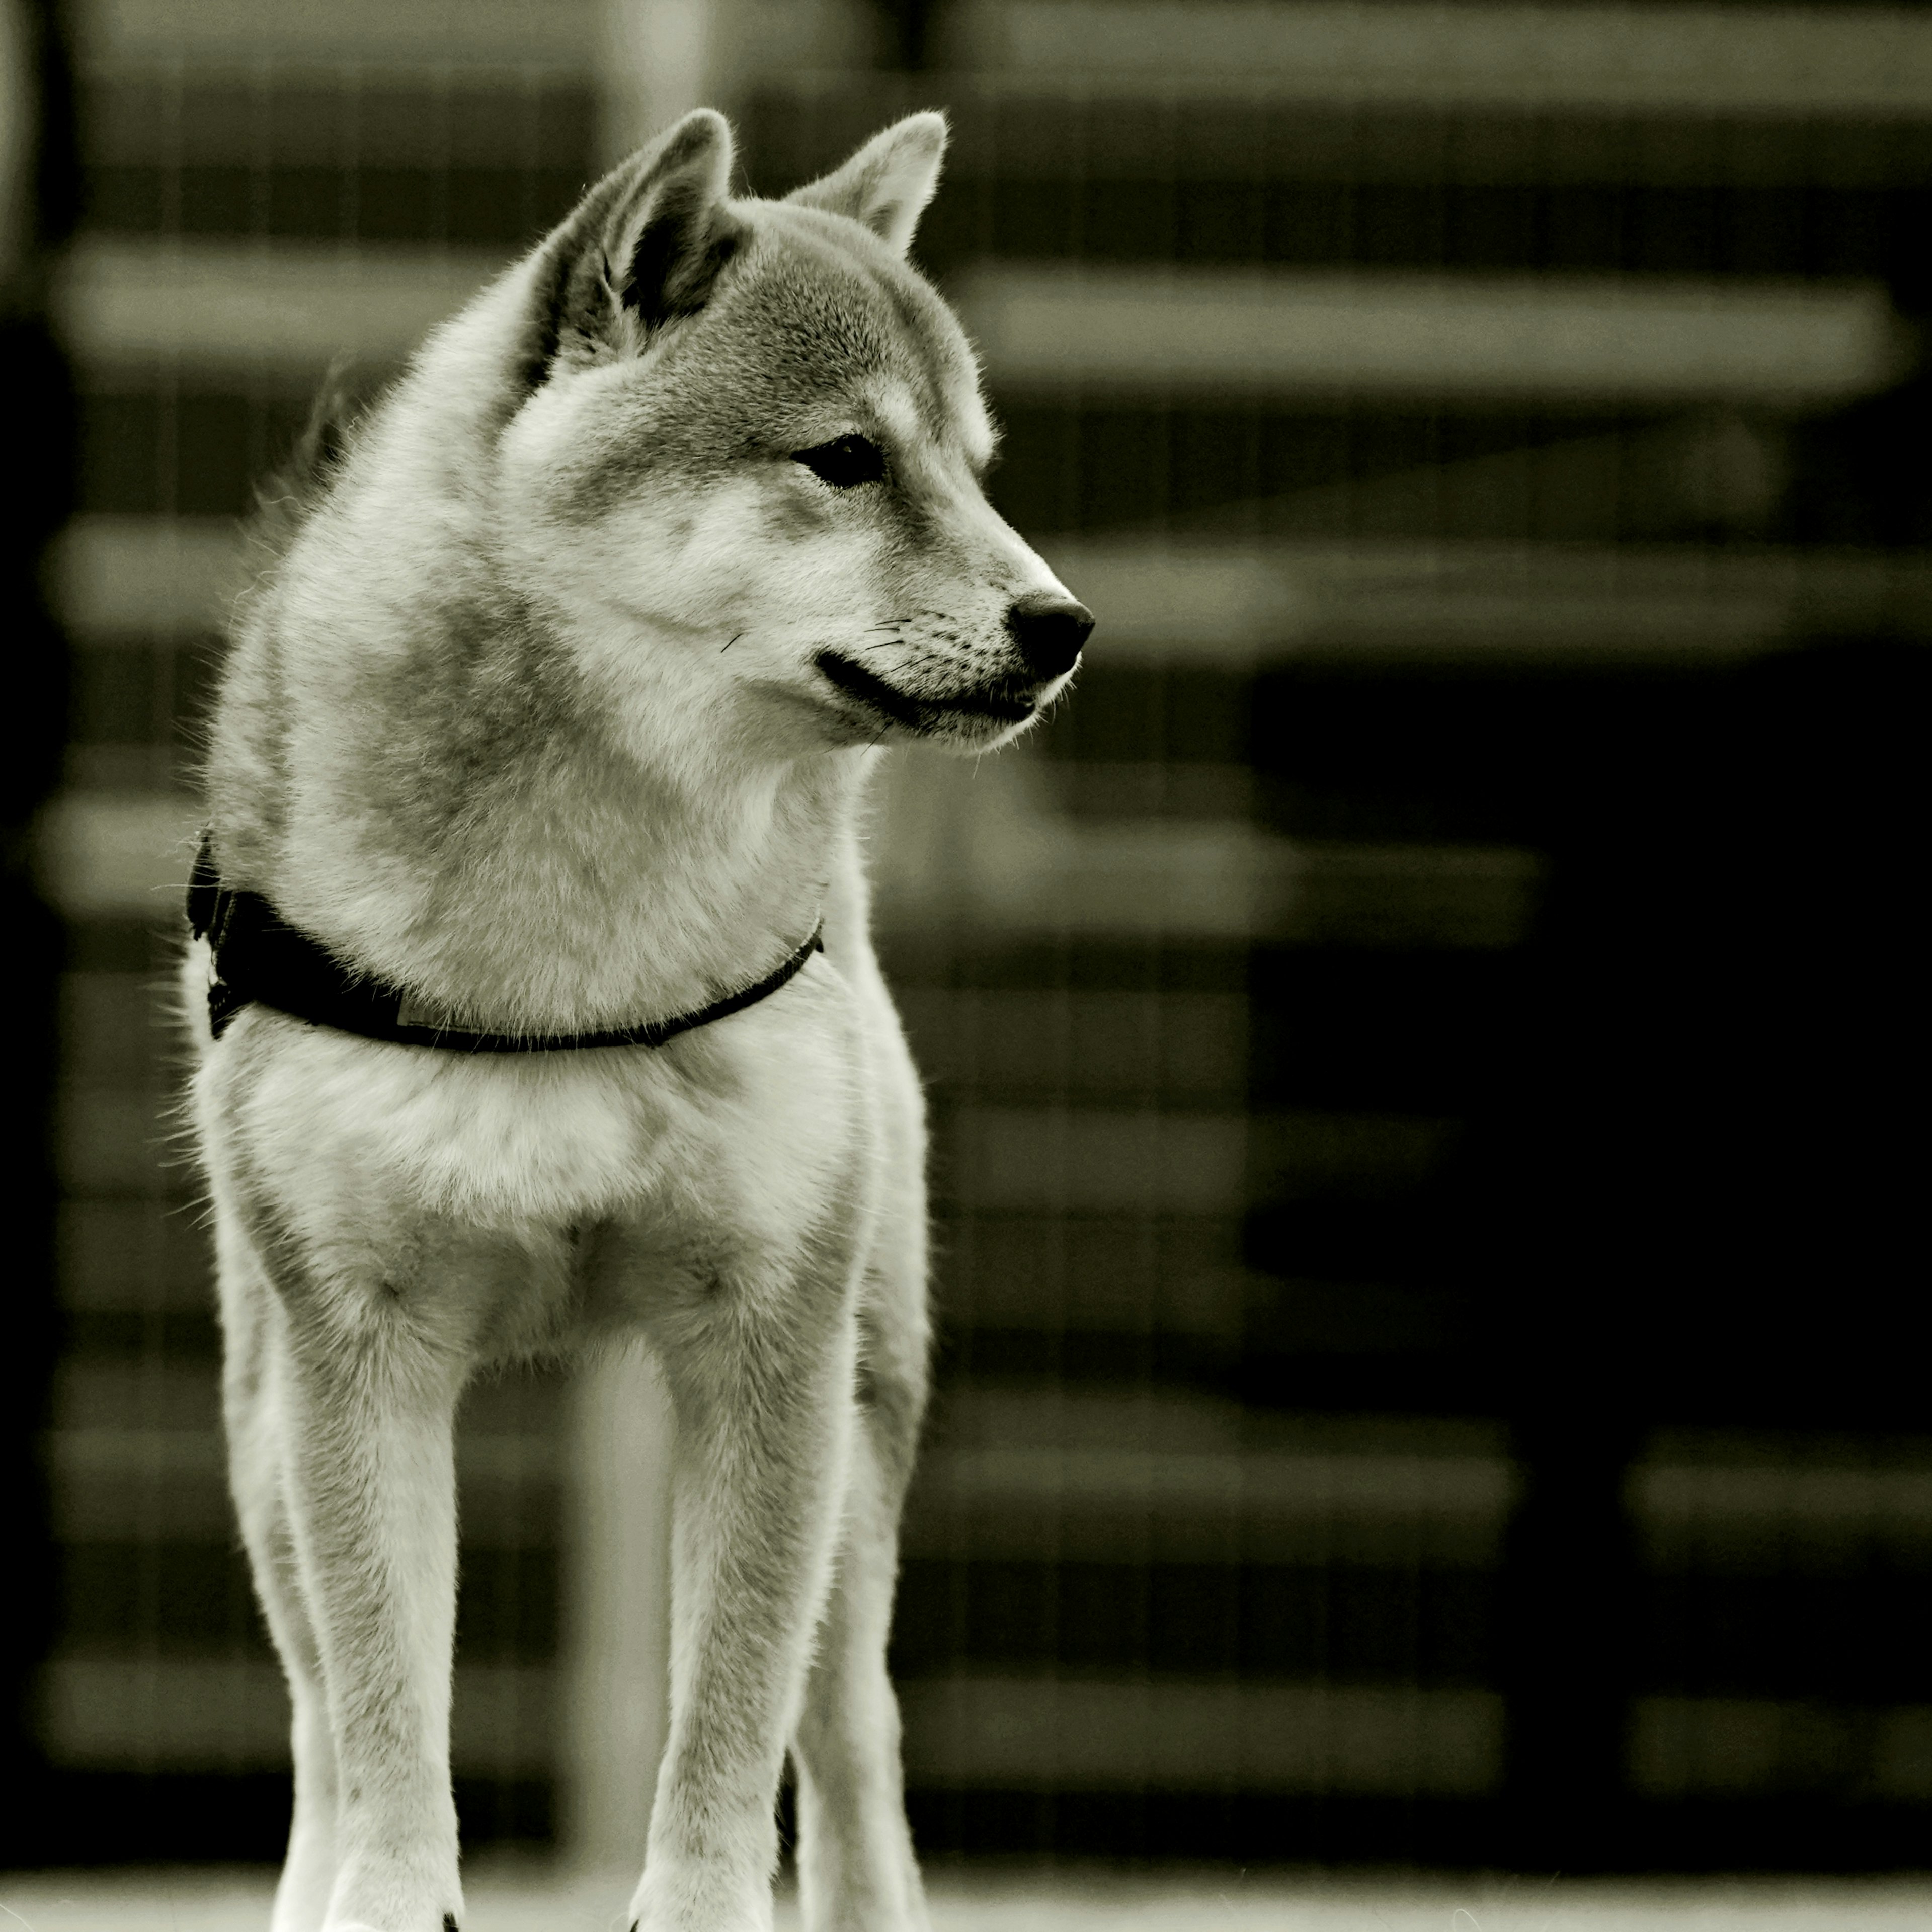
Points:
(186, 1900)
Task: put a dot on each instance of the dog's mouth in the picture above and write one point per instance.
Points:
(1001, 702)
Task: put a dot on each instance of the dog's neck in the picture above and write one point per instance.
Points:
(453, 814)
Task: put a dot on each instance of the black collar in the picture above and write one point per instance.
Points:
(259, 958)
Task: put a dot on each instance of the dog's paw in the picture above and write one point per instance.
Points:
(449, 1924)
(694, 1902)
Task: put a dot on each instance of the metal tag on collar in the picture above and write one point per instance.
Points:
(413, 1012)
(207, 902)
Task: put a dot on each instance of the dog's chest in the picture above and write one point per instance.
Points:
(751, 1121)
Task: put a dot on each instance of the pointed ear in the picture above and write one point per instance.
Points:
(642, 249)
(887, 183)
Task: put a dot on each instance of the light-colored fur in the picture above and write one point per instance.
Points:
(531, 716)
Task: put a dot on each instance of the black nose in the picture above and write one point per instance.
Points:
(1049, 630)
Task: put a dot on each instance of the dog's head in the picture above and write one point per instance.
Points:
(745, 453)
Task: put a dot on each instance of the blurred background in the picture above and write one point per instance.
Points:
(1426, 1082)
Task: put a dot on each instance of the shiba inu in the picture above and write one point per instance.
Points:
(535, 1003)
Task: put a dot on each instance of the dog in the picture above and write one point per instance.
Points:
(535, 1007)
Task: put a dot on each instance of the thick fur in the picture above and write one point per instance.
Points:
(557, 708)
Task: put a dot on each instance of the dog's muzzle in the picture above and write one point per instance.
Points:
(1007, 701)
(1048, 632)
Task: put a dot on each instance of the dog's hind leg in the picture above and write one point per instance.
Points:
(857, 1869)
(251, 1397)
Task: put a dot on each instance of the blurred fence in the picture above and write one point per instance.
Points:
(1418, 1043)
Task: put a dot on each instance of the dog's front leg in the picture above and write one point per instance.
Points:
(760, 1364)
(371, 1386)
(255, 1351)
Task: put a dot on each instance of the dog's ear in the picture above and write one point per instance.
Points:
(642, 248)
(888, 182)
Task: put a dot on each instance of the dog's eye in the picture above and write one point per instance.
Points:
(845, 462)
